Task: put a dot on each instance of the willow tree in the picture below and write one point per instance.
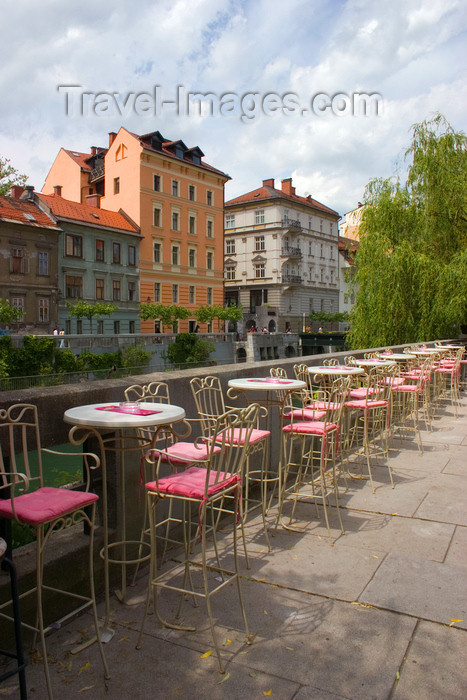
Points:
(411, 267)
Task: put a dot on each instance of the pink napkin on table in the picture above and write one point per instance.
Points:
(128, 411)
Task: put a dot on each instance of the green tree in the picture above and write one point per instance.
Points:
(205, 314)
(167, 314)
(411, 271)
(9, 176)
(188, 348)
(84, 309)
(9, 314)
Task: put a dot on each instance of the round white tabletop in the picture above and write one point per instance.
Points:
(397, 356)
(428, 351)
(450, 347)
(116, 415)
(267, 384)
(374, 362)
(335, 370)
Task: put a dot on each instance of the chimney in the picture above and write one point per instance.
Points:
(29, 193)
(94, 200)
(16, 191)
(93, 150)
(269, 183)
(287, 186)
(112, 137)
(58, 190)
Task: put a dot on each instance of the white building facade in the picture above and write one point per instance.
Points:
(281, 257)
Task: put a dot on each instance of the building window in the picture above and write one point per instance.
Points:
(331, 228)
(174, 188)
(230, 272)
(100, 250)
(192, 225)
(192, 257)
(175, 294)
(332, 276)
(209, 198)
(321, 225)
(230, 221)
(68, 326)
(259, 243)
(310, 248)
(131, 255)
(73, 287)
(116, 327)
(209, 296)
(18, 303)
(131, 291)
(43, 263)
(17, 261)
(259, 216)
(116, 253)
(116, 290)
(175, 221)
(209, 260)
(99, 289)
(322, 275)
(260, 271)
(156, 183)
(131, 327)
(191, 294)
(321, 254)
(209, 228)
(175, 255)
(157, 252)
(116, 185)
(100, 327)
(157, 292)
(73, 246)
(43, 310)
(79, 326)
(157, 326)
(157, 217)
(191, 193)
(230, 246)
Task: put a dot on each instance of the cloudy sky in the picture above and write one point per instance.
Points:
(273, 71)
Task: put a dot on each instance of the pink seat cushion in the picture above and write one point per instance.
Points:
(46, 504)
(183, 453)
(240, 434)
(394, 381)
(310, 428)
(323, 405)
(192, 483)
(363, 392)
(305, 414)
(363, 403)
(408, 387)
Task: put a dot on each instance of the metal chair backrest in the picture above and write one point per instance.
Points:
(20, 447)
(233, 451)
(209, 401)
(155, 392)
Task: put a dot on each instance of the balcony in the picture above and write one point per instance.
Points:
(291, 224)
(291, 252)
(291, 279)
(97, 173)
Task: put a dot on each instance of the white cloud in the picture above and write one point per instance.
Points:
(412, 52)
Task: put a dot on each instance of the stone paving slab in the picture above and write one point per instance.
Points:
(457, 553)
(435, 666)
(398, 583)
(443, 502)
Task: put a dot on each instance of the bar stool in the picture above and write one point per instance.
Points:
(6, 563)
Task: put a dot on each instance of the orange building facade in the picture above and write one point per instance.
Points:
(173, 196)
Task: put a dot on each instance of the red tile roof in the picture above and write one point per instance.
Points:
(19, 211)
(269, 193)
(83, 213)
(79, 158)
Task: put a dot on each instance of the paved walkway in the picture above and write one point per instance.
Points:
(380, 614)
